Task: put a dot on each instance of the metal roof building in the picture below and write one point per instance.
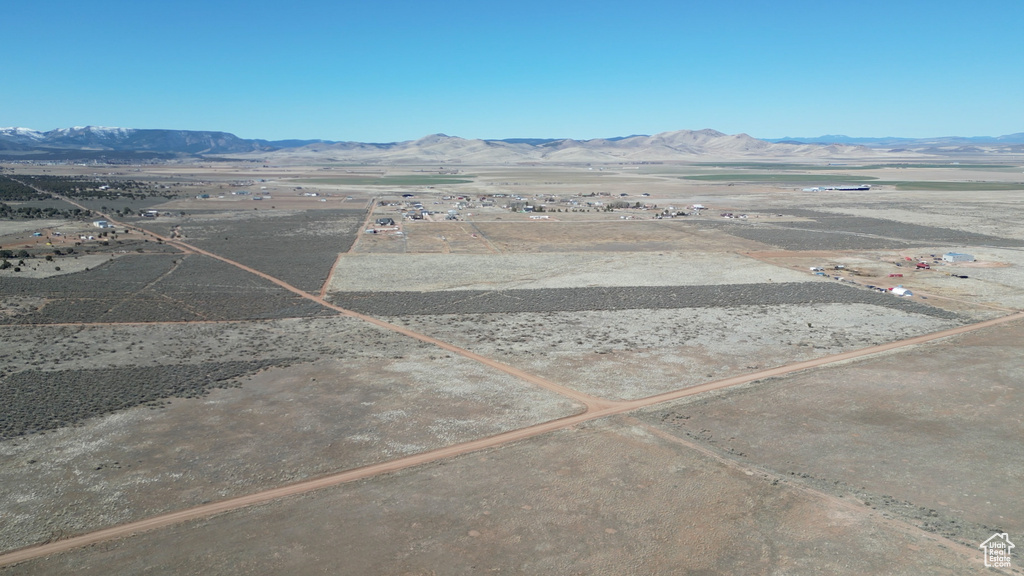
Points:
(957, 257)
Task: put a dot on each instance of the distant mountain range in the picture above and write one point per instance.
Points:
(130, 144)
(99, 138)
(680, 145)
(891, 141)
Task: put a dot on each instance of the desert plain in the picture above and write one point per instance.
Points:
(530, 369)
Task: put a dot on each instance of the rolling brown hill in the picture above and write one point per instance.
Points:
(679, 145)
(91, 142)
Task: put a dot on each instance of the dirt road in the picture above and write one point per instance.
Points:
(359, 234)
(594, 408)
(599, 410)
(590, 402)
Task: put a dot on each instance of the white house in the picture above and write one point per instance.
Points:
(101, 224)
(901, 291)
(957, 257)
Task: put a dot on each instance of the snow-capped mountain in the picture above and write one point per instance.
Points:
(127, 144)
(26, 136)
(99, 138)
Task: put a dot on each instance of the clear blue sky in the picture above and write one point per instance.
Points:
(398, 70)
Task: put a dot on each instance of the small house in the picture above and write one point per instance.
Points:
(957, 257)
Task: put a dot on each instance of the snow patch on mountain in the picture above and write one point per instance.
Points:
(22, 132)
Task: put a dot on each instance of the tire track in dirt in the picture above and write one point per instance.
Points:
(823, 497)
(175, 264)
(483, 238)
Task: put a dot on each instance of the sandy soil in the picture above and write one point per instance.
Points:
(280, 426)
(19, 227)
(996, 279)
(610, 497)
(409, 272)
(920, 435)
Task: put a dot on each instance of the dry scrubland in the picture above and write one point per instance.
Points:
(153, 288)
(633, 354)
(296, 246)
(919, 435)
(613, 497)
(150, 378)
(343, 395)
